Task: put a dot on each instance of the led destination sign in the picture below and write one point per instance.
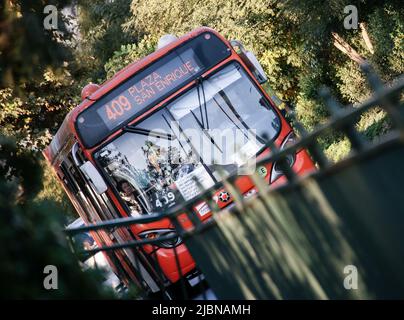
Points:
(148, 87)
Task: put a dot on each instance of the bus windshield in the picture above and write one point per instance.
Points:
(218, 125)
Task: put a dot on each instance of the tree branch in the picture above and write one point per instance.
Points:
(346, 48)
(365, 36)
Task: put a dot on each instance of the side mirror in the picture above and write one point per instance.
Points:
(94, 177)
(251, 61)
(258, 70)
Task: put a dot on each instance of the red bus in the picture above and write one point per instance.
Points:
(192, 110)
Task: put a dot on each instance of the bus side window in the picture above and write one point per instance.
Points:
(102, 203)
(76, 192)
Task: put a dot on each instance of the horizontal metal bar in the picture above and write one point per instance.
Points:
(129, 244)
(119, 222)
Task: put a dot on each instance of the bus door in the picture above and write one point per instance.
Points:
(107, 211)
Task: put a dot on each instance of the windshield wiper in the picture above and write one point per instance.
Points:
(205, 132)
(178, 139)
(237, 115)
(199, 84)
(188, 140)
(148, 132)
(228, 117)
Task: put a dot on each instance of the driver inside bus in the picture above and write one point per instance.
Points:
(128, 194)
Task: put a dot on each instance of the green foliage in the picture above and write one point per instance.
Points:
(101, 33)
(39, 87)
(373, 123)
(36, 91)
(52, 191)
(386, 26)
(130, 53)
(351, 83)
(33, 233)
(309, 112)
(33, 117)
(338, 150)
(26, 48)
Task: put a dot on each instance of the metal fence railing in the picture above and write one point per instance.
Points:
(335, 233)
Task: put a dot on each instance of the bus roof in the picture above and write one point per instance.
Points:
(67, 131)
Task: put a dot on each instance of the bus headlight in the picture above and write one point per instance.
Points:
(289, 159)
(156, 233)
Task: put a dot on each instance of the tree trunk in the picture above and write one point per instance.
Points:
(366, 38)
(346, 48)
